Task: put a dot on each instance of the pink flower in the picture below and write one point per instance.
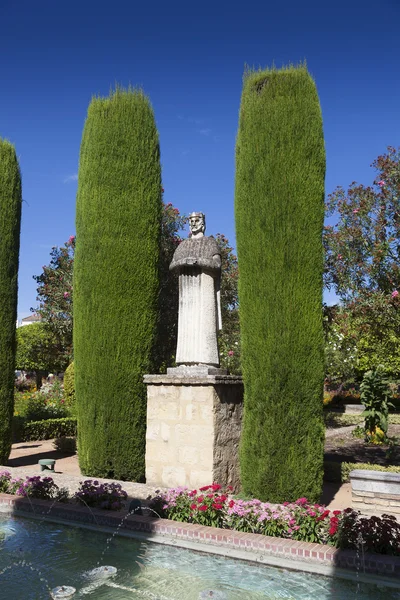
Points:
(71, 239)
(381, 183)
(66, 294)
(355, 211)
(339, 256)
(395, 293)
(231, 353)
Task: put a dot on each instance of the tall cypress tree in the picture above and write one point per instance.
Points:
(10, 223)
(279, 210)
(116, 281)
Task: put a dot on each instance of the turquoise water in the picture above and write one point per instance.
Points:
(36, 556)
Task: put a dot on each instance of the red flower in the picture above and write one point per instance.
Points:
(217, 506)
(231, 503)
(203, 507)
(215, 487)
(333, 530)
(337, 512)
(230, 488)
(200, 498)
(325, 514)
(205, 488)
(193, 506)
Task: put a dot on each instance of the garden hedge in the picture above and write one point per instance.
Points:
(279, 211)
(43, 430)
(10, 224)
(116, 282)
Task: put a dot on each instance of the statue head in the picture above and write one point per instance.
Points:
(197, 222)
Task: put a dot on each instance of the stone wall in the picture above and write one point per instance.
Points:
(193, 430)
(375, 492)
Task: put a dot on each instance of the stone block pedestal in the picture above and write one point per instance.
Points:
(193, 430)
(375, 492)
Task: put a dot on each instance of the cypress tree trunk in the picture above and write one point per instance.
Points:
(279, 209)
(116, 282)
(10, 222)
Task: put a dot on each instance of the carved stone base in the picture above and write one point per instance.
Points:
(193, 430)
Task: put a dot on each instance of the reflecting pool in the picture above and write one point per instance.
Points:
(36, 557)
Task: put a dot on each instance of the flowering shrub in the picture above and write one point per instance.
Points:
(32, 487)
(109, 496)
(46, 403)
(5, 478)
(207, 506)
(373, 534)
(211, 505)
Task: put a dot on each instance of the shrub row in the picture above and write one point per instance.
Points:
(42, 430)
(334, 419)
(336, 471)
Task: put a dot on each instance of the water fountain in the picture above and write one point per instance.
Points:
(62, 591)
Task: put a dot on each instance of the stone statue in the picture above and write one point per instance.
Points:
(198, 262)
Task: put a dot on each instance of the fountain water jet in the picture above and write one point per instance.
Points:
(62, 591)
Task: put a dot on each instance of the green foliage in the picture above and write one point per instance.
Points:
(346, 469)
(69, 386)
(10, 221)
(279, 206)
(46, 403)
(375, 394)
(116, 282)
(43, 430)
(362, 250)
(362, 265)
(341, 354)
(66, 444)
(54, 294)
(229, 336)
(37, 349)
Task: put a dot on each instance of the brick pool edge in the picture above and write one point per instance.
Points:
(253, 547)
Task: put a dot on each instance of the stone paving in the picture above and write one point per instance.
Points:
(24, 459)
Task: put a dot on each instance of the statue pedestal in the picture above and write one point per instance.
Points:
(193, 429)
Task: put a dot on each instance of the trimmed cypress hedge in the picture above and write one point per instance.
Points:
(10, 222)
(116, 282)
(279, 211)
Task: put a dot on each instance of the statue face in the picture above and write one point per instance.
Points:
(197, 224)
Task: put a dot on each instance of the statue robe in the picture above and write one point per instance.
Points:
(198, 261)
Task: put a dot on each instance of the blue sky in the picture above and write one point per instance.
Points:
(189, 58)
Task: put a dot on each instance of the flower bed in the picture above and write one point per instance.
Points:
(300, 520)
(108, 496)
